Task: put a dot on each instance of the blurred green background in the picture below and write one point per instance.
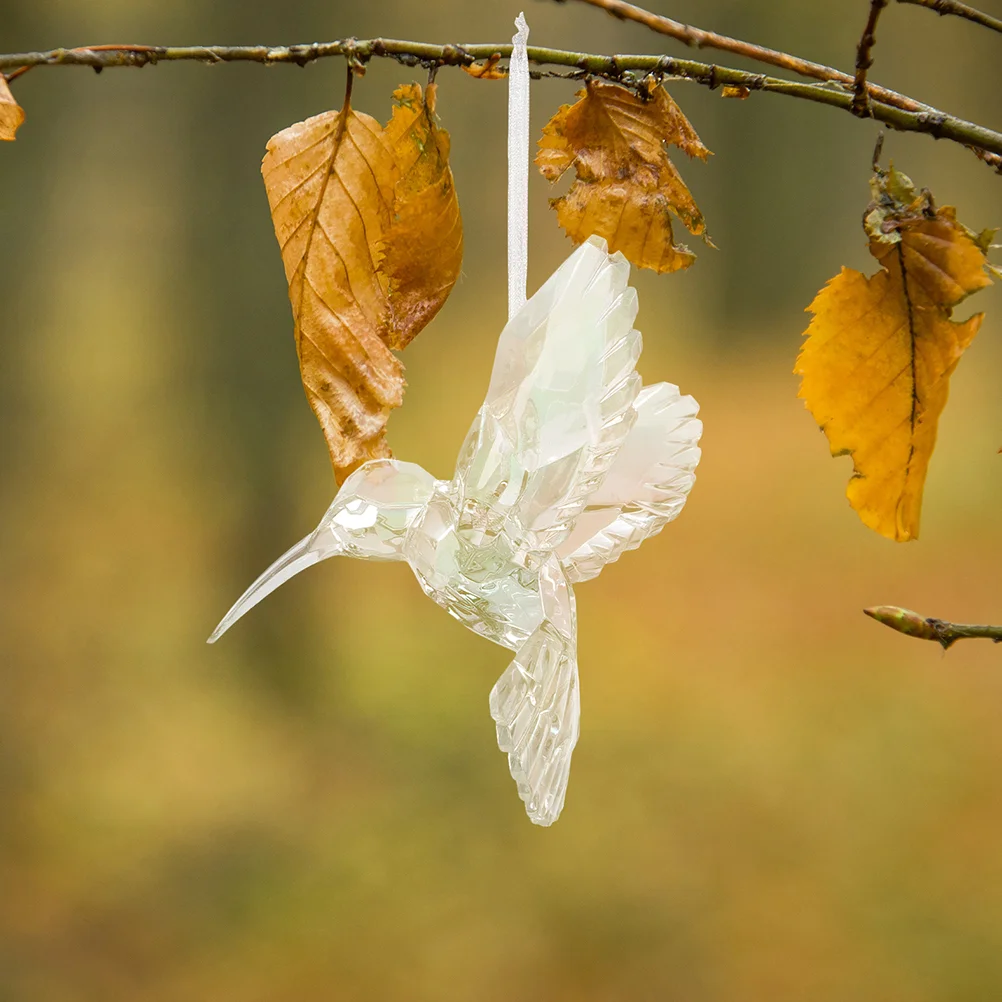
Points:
(774, 798)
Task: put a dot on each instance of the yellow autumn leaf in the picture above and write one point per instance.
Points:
(626, 187)
(879, 352)
(11, 113)
(368, 224)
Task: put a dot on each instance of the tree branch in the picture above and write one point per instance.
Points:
(864, 60)
(700, 39)
(913, 625)
(627, 69)
(960, 10)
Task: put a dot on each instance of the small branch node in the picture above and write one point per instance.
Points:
(301, 55)
(933, 122)
(454, 55)
(356, 65)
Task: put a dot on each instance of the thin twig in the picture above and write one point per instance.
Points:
(913, 625)
(20, 72)
(992, 159)
(960, 10)
(702, 39)
(864, 60)
(627, 69)
(878, 149)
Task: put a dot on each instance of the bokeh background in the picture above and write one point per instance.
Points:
(774, 798)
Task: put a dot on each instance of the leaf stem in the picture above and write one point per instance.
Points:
(621, 68)
(864, 60)
(15, 74)
(959, 10)
(927, 628)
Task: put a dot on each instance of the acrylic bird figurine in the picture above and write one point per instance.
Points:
(569, 463)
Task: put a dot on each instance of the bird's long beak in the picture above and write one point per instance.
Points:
(288, 565)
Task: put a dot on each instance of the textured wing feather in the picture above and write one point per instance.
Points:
(646, 486)
(536, 704)
(560, 402)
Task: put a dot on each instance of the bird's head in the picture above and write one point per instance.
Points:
(374, 509)
(370, 518)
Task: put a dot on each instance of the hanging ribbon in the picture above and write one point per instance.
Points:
(518, 168)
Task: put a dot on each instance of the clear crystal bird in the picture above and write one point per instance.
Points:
(569, 463)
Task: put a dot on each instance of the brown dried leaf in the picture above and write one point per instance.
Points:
(368, 224)
(626, 185)
(488, 69)
(880, 351)
(11, 113)
(423, 248)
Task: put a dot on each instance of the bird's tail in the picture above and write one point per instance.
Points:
(304, 554)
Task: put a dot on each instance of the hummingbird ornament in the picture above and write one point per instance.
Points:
(569, 463)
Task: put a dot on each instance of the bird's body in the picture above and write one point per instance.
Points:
(569, 463)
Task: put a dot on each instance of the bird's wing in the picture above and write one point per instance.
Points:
(536, 703)
(646, 487)
(560, 402)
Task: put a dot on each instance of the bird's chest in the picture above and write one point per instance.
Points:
(477, 578)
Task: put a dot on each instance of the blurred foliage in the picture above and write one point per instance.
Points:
(774, 798)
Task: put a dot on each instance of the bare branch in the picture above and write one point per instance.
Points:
(960, 10)
(700, 39)
(628, 69)
(864, 60)
(913, 625)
